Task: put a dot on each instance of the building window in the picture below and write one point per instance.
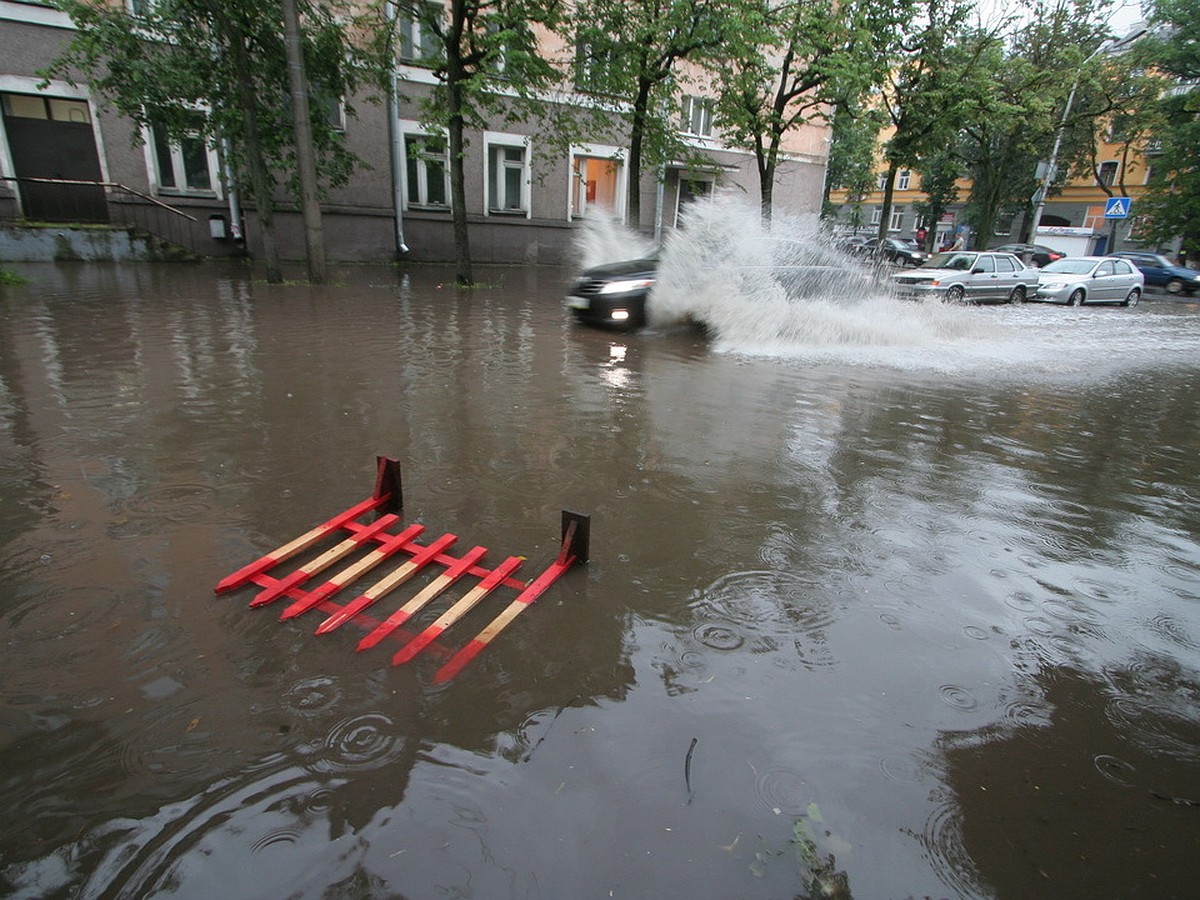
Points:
(419, 41)
(881, 182)
(595, 65)
(38, 106)
(876, 215)
(184, 166)
(508, 177)
(428, 175)
(902, 180)
(697, 116)
(1107, 174)
(897, 220)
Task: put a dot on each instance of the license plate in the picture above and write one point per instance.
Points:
(579, 303)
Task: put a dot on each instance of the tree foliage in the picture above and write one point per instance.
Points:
(853, 141)
(1014, 126)
(791, 63)
(1172, 202)
(487, 65)
(935, 84)
(631, 53)
(218, 68)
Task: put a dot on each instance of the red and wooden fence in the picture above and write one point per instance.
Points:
(381, 544)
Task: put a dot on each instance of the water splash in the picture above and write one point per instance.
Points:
(774, 288)
(603, 239)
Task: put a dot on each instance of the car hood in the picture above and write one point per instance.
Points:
(648, 266)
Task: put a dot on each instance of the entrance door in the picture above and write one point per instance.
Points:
(51, 137)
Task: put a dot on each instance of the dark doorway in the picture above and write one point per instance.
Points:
(51, 137)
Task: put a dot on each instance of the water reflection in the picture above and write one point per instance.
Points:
(831, 598)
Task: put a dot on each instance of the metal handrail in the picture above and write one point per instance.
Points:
(103, 184)
(171, 223)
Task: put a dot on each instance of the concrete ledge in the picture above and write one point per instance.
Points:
(28, 243)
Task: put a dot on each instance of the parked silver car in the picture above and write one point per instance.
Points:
(967, 276)
(1076, 280)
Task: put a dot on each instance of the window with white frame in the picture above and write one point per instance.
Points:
(427, 173)
(187, 165)
(419, 40)
(507, 174)
(595, 65)
(897, 219)
(876, 215)
(902, 179)
(697, 116)
(881, 181)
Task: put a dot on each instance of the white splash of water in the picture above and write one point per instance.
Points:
(750, 285)
(782, 288)
(603, 239)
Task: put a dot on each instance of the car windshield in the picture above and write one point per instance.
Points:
(1069, 267)
(957, 261)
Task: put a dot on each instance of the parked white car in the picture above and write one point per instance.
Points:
(967, 276)
(1076, 280)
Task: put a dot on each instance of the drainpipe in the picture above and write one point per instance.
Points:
(235, 203)
(396, 139)
(658, 204)
(397, 154)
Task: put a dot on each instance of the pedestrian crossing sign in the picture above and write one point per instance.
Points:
(1117, 208)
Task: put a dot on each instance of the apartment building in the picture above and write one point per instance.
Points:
(524, 198)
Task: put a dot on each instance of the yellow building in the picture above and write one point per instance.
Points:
(1073, 219)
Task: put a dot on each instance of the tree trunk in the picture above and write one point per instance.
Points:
(261, 180)
(455, 76)
(306, 164)
(633, 216)
(458, 191)
(889, 189)
(768, 162)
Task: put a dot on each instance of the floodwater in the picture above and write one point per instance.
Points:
(904, 605)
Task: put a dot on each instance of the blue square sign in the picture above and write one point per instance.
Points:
(1117, 208)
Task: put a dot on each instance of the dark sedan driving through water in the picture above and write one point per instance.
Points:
(614, 295)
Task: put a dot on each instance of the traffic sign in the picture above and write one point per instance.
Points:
(1117, 208)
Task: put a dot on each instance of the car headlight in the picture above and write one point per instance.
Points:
(1052, 288)
(621, 287)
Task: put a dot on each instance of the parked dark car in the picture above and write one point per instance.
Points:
(614, 295)
(1038, 254)
(1160, 272)
(894, 250)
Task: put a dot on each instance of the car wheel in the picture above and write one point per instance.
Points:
(955, 294)
(1076, 298)
(1174, 286)
(1132, 300)
(1017, 295)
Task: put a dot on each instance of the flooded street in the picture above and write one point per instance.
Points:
(896, 602)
